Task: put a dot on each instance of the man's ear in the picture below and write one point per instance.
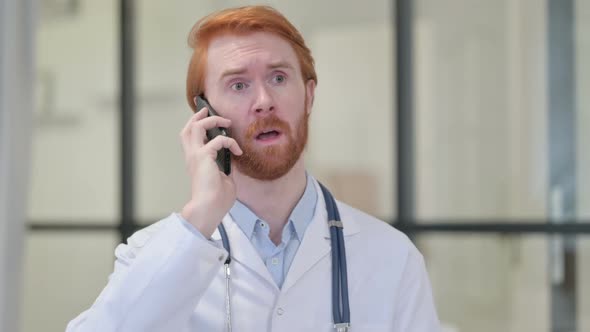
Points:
(310, 93)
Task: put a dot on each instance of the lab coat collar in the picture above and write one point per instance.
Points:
(314, 246)
(350, 225)
(242, 249)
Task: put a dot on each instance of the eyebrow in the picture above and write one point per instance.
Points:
(242, 70)
(233, 71)
(280, 64)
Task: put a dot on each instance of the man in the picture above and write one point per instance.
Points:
(254, 68)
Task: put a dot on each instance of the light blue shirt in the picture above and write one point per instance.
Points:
(277, 259)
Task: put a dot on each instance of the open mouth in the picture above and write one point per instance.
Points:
(267, 135)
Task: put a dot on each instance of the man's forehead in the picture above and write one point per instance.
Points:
(231, 51)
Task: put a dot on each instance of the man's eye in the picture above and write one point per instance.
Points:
(238, 86)
(279, 78)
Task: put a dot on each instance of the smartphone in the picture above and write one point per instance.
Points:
(223, 155)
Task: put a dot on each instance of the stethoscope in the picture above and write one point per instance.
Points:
(340, 305)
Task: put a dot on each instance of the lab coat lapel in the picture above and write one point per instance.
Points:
(312, 249)
(242, 249)
(316, 241)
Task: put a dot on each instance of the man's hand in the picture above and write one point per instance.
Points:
(212, 192)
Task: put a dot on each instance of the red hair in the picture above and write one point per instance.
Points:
(241, 21)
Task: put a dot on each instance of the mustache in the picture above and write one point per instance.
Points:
(271, 121)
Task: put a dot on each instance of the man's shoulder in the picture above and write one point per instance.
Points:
(374, 228)
(145, 234)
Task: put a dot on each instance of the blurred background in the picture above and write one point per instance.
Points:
(461, 122)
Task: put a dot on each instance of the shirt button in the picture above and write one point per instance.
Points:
(280, 311)
(275, 261)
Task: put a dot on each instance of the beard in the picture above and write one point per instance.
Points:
(271, 162)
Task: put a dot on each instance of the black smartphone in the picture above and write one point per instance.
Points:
(223, 155)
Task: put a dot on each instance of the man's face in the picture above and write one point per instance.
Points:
(255, 80)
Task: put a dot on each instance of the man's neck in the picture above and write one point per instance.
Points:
(274, 200)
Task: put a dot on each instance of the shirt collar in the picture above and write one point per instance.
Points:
(300, 216)
(304, 210)
(244, 217)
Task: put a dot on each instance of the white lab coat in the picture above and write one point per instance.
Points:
(167, 279)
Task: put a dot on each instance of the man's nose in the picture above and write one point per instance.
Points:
(264, 101)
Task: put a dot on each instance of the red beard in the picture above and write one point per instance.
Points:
(271, 162)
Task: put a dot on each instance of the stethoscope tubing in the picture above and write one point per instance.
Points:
(340, 304)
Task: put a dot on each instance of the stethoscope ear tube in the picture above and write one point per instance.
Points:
(340, 303)
(225, 242)
(336, 314)
(344, 275)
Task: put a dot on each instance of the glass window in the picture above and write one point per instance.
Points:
(582, 56)
(582, 65)
(583, 277)
(503, 283)
(74, 166)
(63, 275)
(481, 109)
